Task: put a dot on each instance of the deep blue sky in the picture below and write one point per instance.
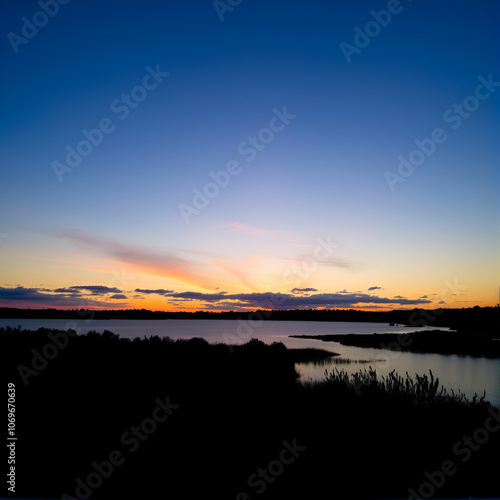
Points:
(322, 175)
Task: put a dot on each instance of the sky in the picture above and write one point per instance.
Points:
(235, 155)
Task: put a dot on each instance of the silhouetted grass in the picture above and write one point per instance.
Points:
(421, 391)
(303, 354)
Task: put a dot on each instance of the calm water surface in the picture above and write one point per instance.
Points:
(465, 373)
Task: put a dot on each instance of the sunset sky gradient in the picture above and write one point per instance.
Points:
(256, 173)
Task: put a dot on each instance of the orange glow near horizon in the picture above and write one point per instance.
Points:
(184, 282)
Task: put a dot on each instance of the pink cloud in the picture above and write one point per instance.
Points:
(144, 259)
(252, 230)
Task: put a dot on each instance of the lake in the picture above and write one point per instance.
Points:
(465, 373)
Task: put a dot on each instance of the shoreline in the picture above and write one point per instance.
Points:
(430, 341)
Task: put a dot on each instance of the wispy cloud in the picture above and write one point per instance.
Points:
(147, 260)
(374, 288)
(341, 263)
(238, 270)
(247, 228)
(329, 261)
(96, 289)
(303, 290)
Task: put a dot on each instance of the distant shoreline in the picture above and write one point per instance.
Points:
(465, 319)
(433, 341)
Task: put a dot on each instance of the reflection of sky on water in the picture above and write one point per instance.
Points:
(465, 373)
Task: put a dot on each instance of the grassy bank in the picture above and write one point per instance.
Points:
(435, 341)
(239, 423)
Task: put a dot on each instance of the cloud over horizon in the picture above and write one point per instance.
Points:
(82, 296)
(97, 289)
(59, 297)
(269, 300)
(159, 291)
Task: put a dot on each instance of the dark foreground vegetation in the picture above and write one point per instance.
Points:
(436, 341)
(99, 416)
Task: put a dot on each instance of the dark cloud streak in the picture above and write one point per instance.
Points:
(159, 291)
(303, 290)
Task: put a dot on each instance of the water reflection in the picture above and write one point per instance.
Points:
(334, 360)
(466, 374)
